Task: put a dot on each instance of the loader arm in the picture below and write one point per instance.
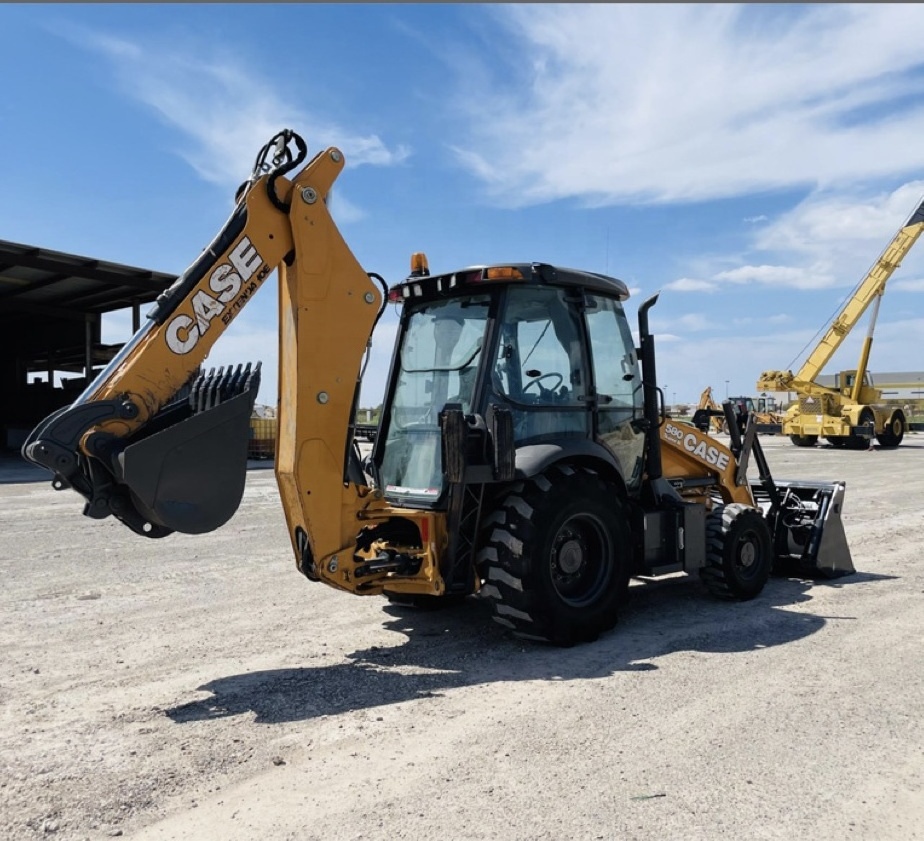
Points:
(160, 463)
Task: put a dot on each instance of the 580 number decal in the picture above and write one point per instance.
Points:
(692, 444)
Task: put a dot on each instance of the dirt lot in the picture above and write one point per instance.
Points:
(200, 688)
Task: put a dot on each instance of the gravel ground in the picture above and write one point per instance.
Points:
(200, 688)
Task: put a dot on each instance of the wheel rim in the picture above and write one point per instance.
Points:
(747, 555)
(580, 561)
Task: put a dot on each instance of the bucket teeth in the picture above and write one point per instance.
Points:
(216, 387)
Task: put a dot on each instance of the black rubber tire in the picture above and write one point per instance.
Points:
(739, 552)
(858, 442)
(894, 432)
(556, 556)
(804, 440)
(838, 441)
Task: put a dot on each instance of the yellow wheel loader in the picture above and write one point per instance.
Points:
(523, 452)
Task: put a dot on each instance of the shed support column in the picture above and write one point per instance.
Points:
(89, 321)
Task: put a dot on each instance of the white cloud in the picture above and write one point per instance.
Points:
(823, 223)
(227, 110)
(825, 241)
(800, 278)
(834, 241)
(694, 321)
(689, 284)
(342, 209)
(672, 102)
(916, 285)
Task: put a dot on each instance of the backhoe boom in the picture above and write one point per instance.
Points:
(164, 452)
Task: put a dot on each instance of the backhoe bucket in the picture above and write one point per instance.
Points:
(809, 532)
(190, 476)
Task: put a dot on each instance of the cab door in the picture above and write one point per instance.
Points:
(617, 385)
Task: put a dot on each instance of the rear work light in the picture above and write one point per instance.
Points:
(503, 273)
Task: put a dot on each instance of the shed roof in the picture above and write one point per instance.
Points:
(39, 281)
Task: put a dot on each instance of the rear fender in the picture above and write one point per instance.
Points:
(533, 459)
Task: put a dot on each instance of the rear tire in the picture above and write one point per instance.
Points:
(556, 560)
(804, 440)
(860, 442)
(894, 432)
(739, 554)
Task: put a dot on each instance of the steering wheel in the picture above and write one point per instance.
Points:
(538, 380)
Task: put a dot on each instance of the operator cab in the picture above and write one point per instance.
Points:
(845, 381)
(550, 345)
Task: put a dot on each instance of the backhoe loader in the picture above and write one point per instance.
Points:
(709, 415)
(523, 452)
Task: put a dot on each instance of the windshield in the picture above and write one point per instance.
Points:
(438, 360)
(440, 353)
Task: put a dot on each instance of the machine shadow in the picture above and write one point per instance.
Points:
(460, 646)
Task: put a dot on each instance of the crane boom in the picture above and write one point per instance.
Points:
(872, 285)
(849, 414)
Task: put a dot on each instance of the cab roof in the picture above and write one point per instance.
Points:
(450, 283)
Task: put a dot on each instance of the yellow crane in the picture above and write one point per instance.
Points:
(849, 414)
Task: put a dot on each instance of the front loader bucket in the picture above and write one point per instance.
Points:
(809, 532)
(190, 476)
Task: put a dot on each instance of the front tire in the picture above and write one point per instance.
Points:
(556, 559)
(739, 553)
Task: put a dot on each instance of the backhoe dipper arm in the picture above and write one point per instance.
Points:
(135, 445)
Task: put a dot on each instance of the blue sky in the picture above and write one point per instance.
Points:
(749, 162)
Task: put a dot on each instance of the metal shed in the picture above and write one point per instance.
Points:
(51, 308)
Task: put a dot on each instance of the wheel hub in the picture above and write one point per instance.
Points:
(570, 556)
(747, 554)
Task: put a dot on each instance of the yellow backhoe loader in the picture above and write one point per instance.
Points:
(523, 452)
(849, 415)
(765, 411)
(708, 414)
